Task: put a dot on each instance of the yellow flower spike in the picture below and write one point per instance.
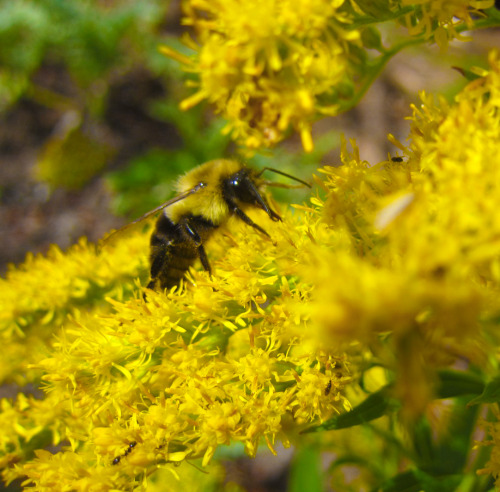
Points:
(270, 446)
(202, 327)
(394, 141)
(251, 59)
(240, 321)
(390, 212)
(68, 281)
(25, 433)
(255, 369)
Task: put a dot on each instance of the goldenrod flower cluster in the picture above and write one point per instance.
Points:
(395, 265)
(179, 374)
(422, 258)
(268, 66)
(38, 295)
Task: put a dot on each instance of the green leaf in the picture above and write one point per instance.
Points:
(458, 383)
(468, 74)
(305, 473)
(375, 406)
(417, 480)
(454, 450)
(446, 455)
(491, 393)
(74, 156)
(421, 437)
(370, 37)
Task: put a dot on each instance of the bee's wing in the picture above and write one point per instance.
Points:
(173, 200)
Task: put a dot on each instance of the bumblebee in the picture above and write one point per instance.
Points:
(208, 196)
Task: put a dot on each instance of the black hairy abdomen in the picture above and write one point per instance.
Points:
(174, 248)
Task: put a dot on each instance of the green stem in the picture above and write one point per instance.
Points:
(375, 70)
(368, 20)
(493, 20)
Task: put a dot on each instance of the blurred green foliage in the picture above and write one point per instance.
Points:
(73, 156)
(91, 39)
(90, 47)
(67, 57)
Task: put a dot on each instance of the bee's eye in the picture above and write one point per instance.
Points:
(240, 187)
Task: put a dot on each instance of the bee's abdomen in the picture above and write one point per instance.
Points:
(175, 247)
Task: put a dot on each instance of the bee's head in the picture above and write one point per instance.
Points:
(242, 187)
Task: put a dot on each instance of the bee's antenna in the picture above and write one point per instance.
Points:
(277, 171)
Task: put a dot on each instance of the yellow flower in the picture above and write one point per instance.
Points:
(183, 372)
(37, 296)
(271, 66)
(317, 393)
(446, 14)
(268, 66)
(254, 356)
(56, 471)
(428, 278)
(255, 369)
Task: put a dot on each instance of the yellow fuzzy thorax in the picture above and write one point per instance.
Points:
(208, 202)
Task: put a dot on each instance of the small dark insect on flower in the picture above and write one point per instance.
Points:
(131, 446)
(328, 388)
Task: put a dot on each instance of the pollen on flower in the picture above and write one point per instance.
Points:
(268, 66)
(37, 295)
(255, 369)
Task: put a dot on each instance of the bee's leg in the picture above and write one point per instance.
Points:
(158, 257)
(156, 266)
(274, 216)
(204, 259)
(269, 211)
(245, 218)
(195, 237)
